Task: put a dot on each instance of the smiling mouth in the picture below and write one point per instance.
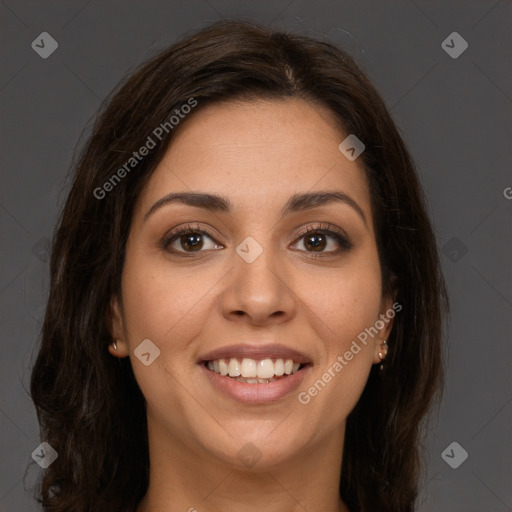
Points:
(254, 371)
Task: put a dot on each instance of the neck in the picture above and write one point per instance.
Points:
(181, 480)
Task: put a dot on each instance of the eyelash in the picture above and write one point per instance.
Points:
(324, 229)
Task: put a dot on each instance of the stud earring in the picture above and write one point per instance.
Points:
(383, 355)
(114, 344)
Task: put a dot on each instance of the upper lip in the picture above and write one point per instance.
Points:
(258, 352)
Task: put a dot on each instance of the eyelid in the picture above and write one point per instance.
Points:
(322, 227)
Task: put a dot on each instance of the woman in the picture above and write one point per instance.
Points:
(246, 299)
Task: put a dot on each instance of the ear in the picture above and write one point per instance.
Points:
(384, 324)
(117, 328)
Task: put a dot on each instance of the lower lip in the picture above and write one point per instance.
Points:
(256, 393)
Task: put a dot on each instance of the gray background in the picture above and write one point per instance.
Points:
(455, 114)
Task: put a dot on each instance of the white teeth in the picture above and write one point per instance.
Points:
(265, 369)
(253, 371)
(279, 367)
(248, 368)
(223, 367)
(234, 367)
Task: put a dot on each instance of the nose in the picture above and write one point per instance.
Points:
(259, 292)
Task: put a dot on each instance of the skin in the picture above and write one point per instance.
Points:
(256, 154)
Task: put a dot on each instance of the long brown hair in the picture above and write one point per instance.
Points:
(89, 406)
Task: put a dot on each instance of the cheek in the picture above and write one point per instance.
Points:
(344, 303)
(149, 293)
(345, 307)
(166, 304)
(168, 307)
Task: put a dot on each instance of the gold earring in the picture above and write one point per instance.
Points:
(385, 350)
(114, 344)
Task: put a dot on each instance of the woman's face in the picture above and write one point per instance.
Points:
(248, 284)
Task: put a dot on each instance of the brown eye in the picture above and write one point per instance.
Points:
(317, 242)
(189, 240)
(323, 241)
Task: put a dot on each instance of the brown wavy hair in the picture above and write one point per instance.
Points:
(89, 406)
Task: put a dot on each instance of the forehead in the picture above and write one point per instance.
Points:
(256, 153)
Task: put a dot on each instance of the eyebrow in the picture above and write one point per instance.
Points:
(296, 203)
